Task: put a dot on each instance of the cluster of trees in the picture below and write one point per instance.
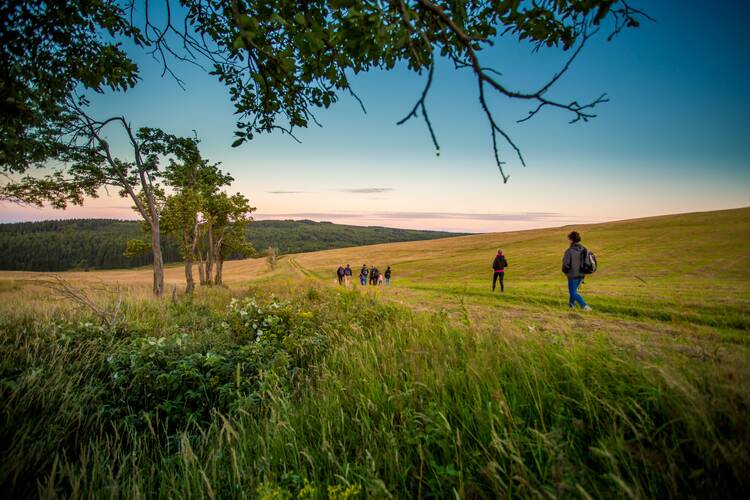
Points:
(281, 60)
(208, 224)
(85, 244)
(185, 198)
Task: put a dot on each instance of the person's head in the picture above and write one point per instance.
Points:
(574, 237)
(499, 251)
(347, 265)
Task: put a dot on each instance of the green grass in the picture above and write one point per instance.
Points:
(432, 388)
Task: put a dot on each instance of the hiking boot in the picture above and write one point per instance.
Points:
(587, 308)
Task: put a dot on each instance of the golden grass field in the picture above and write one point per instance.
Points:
(679, 279)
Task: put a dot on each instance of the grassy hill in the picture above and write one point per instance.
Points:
(692, 265)
(285, 385)
(63, 245)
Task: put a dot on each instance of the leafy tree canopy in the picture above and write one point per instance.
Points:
(48, 50)
(281, 60)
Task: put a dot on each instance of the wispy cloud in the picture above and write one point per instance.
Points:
(371, 190)
(511, 217)
(285, 192)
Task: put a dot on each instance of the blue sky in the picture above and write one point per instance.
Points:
(673, 138)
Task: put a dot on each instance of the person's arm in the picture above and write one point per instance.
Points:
(566, 262)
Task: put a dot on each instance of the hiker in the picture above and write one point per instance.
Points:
(380, 279)
(572, 267)
(388, 276)
(347, 275)
(363, 275)
(373, 275)
(498, 270)
(340, 274)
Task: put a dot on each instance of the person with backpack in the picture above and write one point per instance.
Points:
(374, 276)
(388, 276)
(347, 275)
(577, 262)
(498, 270)
(363, 275)
(340, 275)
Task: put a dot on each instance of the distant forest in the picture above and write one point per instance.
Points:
(63, 245)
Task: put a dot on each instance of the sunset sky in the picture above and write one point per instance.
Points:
(674, 137)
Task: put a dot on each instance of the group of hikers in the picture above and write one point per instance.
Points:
(577, 262)
(375, 277)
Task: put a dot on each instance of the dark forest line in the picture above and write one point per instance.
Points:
(62, 245)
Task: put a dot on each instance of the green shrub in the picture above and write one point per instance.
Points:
(183, 378)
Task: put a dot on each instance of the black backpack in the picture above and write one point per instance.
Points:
(588, 261)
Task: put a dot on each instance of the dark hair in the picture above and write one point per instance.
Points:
(574, 237)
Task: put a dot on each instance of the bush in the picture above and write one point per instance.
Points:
(183, 378)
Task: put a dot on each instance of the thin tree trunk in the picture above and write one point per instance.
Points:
(158, 260)
(210, 255)
(189, 281)
(219, 269)
(201, 269)
(218, 260)
(190, 248)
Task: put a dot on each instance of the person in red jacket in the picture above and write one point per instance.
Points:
(498, 268)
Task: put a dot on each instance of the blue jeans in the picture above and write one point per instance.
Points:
(575, 297)
(362, 279)
(387, 281)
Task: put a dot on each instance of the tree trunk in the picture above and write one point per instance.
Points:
(218, 260)
(158, 260)
(189, 281)
(210, 255)
(219, 269)
(201, 269)
(189, 247)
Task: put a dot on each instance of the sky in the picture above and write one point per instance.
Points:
(673, 138)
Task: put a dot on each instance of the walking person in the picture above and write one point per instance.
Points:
(388, 276)
(363, 275)
(347, 275)
(373, 276)
(572, 267)
(380, 279)
(340, 274)
(498, 270)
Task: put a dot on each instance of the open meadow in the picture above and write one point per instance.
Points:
(285, 385)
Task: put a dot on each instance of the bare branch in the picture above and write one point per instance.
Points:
(421, 105)
(109, 315)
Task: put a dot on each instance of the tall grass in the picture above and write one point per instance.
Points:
(389, 404)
